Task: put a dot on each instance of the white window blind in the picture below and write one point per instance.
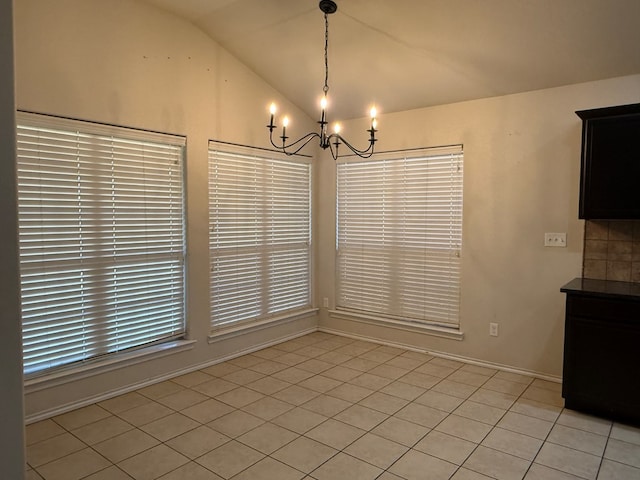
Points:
(399, 235)
(101, 226)
(260, 234)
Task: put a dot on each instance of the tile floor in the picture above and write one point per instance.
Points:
(328, 408)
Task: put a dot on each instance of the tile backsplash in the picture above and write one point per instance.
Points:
(612, 250)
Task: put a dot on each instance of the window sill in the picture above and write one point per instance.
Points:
(224, 333)
(415, 327)
(108, 364)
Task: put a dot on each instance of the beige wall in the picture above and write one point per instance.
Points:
(12, 458)
(522, 158)
(123, 62)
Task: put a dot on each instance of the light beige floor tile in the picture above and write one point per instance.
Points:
(245, 361)
(423, 357)
(334, 358)
(568, 460)
(370, 381)
(215, 387)
(169, 426)
(421, 380)
(384, 403)
(401, 431)
(455, 389)
(320, 384)
(495, 464)
(190, 471)
(469, 378)
(377, 356)
(74, 466)
(293, 375)
(493, 398)
(295, 395)
(109, 473)
(389, 371)
(81, 416)
(197, 442)
(513, 443)
(623, 452)
(361, 417)
(268, 353)
(304, 454)
(526, 425)
(292, 359)
(553, 386)
(578, 439)
(421, 414)
(610, 470)
(207, 411)
(464, 428)
(404, 363)
(447, 362)
(192, 379)
(387, 476)
(53, 448)
(267, 438)
(403, 390)
(315, 366)
(626, 433)
(243, 376)
(326, 405)
(435, 370)
(311, 351)
(269, 469)
(464, 474)
(514, 377)
(160, 390)
(230, 459)
(33, 475)
(487, 372)
(146, 413)
(239, 397)
(540, 472)
(543, 395)
(268, 385)
(581, 421)
(414, 464)
(102, 430)
(124, 402)
(531, 408)
(153, 463)
(480, 412)
(220, 369)
(299, 420)
(337, 466)
(361, 364)
(350, 393)
(335, 434)
(505, 386)
(376, 450)
(126, 445)
(37, 432)
(183, 399)
(441, 401)
(268, 367)
(445, 447)
(342, 374)
(268, 408)
(235, 423)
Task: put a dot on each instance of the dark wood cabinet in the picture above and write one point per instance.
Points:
(602, 349)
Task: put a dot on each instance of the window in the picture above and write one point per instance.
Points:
(101, 226)
(260, 234)
(399, 234)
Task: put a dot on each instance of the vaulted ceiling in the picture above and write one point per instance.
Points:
(406, 54)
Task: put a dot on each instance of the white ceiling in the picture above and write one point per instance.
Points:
(405, 54)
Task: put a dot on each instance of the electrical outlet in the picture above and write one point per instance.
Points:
(555, 239)
(325, 302)
(493, 329)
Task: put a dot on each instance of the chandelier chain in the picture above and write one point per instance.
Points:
(325, 89)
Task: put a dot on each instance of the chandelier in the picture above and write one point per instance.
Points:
(332, 141)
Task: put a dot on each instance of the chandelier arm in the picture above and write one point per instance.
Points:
(304, 140)
(361, 153)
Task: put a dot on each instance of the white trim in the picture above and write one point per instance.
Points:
(460, 358)
(225, 333)
(426, 329)
(138, 385)
(106, 364)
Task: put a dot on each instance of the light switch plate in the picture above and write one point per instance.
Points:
(555, 239)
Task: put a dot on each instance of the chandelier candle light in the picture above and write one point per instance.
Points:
(331, 141)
